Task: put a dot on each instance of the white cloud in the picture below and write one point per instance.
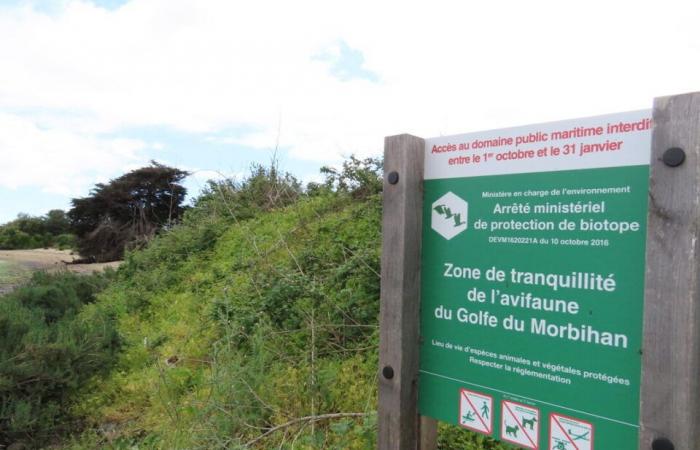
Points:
(442, 67)
(58, 161)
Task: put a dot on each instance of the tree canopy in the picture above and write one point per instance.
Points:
(128, 211)
(25, 232)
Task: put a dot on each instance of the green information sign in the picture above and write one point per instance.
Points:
(533, 282)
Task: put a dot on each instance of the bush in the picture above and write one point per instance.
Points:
(359, 177)
(27, 232)
(65, 241)
(263, 190)
(12, 238)
(53, 339)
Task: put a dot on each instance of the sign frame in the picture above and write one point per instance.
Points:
(669, 406)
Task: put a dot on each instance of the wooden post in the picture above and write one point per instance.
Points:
(428, 433)
(670, 401)
(399, 424)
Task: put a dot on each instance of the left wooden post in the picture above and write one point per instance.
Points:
(399, 424)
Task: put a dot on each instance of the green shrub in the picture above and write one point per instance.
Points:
(12, 238)
(263, 190)
(53, 339)
(65, 241)
(27, 232)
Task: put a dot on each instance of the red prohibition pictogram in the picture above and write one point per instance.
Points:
(475, 411)
(568, 433)
(520, 424)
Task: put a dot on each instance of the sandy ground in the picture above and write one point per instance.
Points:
(47, 259)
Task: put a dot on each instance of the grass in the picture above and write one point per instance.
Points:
(11, 274)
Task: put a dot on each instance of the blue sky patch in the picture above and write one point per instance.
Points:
(346, 63)
(29, 200)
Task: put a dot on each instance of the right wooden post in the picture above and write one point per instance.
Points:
(670, 401)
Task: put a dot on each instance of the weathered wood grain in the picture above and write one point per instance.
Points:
(428, 433)
(670, 402)
(400, 293)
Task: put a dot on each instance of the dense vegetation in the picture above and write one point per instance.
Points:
(53, 339)
(28, 232)
(233, 325)
(251, 324)
(127, 212)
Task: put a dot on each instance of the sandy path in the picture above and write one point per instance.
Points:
(47, 259)
(37, 259)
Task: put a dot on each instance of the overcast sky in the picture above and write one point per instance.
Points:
(90, 89)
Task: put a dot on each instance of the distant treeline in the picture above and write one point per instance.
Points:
(25, 232)
(121, 215)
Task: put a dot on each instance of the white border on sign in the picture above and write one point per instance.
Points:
(636, 149)
(459, 418)
(552, 417)
(503, 411)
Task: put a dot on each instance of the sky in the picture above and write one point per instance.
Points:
(92, 89)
